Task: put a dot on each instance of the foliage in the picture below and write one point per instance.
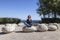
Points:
(50, 20)
(49, 6)
(9, 20)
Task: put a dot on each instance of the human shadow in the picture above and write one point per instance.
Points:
(2, 33)
(40, 31)
(23, 32)
(51, 30)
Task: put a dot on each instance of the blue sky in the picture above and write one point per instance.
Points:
(19, 9)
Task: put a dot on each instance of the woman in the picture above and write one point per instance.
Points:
(28, 22)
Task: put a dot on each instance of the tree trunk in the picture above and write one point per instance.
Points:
(54, 14)
(48, 15)
(43, 16)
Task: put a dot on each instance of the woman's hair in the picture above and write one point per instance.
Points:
(29, 16)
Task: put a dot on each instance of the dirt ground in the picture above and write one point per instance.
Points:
(19, 35)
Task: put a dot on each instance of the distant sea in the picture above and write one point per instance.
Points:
(34, 21)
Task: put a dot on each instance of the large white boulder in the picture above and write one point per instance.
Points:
(35, 24)
(42, 27)
(8, 24)
(9, 28)
(56, 24)
(29, 29)
(21, 24)
(46, 24)
(52, 27)
(1, 25)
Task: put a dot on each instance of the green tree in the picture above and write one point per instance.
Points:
(49, 6)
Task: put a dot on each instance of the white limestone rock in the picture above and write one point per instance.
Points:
(52, 27)
(1, 26)
(42, 27)
(29, 29)
(8, 24)
(57, 25)
(9, 28)
(21, 24)
(35, 24)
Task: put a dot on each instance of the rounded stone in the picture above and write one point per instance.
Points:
(42, 27)
(21, 24)
(9, 28)
(29, 29)
(52, 27)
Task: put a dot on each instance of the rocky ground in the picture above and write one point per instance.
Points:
(19, 35)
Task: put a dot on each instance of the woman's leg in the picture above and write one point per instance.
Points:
(27, 25)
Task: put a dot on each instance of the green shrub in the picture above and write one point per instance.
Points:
(51, 20)
(9, 20)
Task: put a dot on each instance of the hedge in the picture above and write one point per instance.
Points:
(50, 20)
(9, 20)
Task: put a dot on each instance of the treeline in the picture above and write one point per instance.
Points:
(50, 20)
(9, 20)
(49, 8)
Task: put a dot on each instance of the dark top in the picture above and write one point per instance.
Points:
(29, 21)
